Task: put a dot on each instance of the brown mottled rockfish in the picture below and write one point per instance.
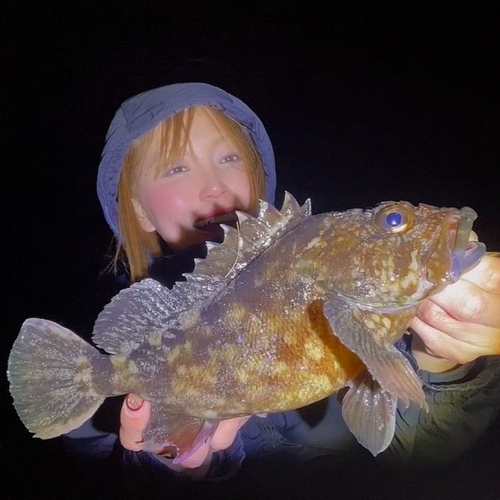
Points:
(289, 309)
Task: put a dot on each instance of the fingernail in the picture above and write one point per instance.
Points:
(133, 402)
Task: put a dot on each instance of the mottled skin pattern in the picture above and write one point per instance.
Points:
(277, 317)
(264, 345)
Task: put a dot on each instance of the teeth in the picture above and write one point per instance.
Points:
(215, 220)
(473, 236)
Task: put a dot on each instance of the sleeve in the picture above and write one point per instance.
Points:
(97, 437)
(463, 403)
(90, 452)
(89, 442)
(286, 439)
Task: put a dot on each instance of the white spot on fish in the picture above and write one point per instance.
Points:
(155, 339)
(210, 414)
(84, 377)
(188, 319)
(132, 367)
(313, 351)
(313, 243)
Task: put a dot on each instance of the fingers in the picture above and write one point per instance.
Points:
(486, 275)
(462, 322)
(432, 316)
(222, 439)
(198, 458)
(464, 302)
(461, 349)
(134, 417)
(226, 433)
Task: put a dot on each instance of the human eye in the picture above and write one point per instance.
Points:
(177, 169)
(232, 158)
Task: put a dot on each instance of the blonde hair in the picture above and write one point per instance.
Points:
(136, 244)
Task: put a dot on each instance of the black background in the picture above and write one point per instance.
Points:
(364, 101)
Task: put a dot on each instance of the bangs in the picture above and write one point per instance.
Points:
(171, 135)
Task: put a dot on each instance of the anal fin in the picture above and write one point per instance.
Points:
(370, 413)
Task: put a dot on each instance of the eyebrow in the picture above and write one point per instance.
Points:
(225, 141)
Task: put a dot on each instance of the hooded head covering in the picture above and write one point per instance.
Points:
(143, 112)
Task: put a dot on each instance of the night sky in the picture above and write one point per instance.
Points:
(364, 103)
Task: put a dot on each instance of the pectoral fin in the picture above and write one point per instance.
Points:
(364, 334)
(370, 413)
(181, 433)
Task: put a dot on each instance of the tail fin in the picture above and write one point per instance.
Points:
(51, 378)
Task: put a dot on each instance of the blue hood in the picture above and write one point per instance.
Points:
(142, 112)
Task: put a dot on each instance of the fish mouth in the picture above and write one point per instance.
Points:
(466, 252)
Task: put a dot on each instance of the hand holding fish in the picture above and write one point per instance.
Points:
(462, 322)
(135, 416)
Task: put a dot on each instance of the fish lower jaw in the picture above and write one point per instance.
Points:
(465, 260)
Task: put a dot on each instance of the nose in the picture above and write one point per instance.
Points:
(213, 186)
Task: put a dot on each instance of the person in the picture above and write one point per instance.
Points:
(179, 160)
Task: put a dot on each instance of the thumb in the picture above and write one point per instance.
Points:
(222, 439)
(226, 433)
(134, 417)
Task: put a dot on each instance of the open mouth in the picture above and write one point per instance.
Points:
(467, 252)
(212, 224)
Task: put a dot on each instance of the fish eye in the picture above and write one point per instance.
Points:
(394, 218)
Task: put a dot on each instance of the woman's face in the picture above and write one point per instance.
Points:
(185, 203)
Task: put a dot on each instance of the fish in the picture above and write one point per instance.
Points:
(287, 310)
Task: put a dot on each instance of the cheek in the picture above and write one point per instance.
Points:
(241, 188)
(158, 203)
(166, 203)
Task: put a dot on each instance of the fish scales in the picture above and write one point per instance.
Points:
(289, 309)
(291, 353)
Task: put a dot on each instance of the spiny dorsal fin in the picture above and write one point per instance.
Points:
(148, 310)
(252, 237)
(139, 312)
